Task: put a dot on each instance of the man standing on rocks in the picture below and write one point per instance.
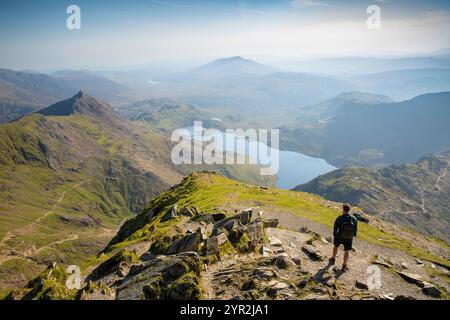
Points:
(345, 228)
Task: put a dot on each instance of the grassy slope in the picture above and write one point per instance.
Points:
(393, 191)
(79, 169)
(212, 193)
(66, 185)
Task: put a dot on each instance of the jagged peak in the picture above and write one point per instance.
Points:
(80, 103)
(80, 94)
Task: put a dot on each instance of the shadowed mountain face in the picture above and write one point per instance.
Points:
(392, 133)
(413, 195)
(81, 104)
(373, 133)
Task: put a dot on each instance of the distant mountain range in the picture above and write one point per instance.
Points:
(242, 85)
(413, 195)
(353, 66)
(168, 115)
(322, 111)
(100, 87)
(230, 67)
(25, 92)
(405, 84)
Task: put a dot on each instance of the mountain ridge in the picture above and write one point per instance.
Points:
(200, 240)
(413, 195)
(69, 178)
(373, 134)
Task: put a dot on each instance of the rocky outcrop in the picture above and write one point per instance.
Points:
(166, 277)
(175, 251)
(313, 252)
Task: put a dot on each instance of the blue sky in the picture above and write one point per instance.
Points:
(129, 34)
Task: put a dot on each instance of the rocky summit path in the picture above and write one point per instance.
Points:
(250, 255)
(294, 265)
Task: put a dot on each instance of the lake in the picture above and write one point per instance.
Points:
(294, 168)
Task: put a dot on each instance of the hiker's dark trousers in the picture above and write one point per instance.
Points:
(345, 242)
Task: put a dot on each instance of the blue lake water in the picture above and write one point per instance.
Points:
(296, 168)
(293, 168)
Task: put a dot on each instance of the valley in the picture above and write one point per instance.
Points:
(70, 175)
(77, 174)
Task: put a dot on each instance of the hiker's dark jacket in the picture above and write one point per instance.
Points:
(340, 221)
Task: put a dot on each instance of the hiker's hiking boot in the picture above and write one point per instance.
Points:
(331, 261)
(345, 268)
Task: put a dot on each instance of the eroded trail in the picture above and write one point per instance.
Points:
(439, 179)
(61, 198)
(28, 254)
(23, 230)
(70, 238)
(17, 231)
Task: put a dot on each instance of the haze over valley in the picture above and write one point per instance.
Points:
(88, 178)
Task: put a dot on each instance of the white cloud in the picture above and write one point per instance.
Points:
(302, 4)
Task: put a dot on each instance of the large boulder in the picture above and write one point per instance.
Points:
(431, 290)
(188, 211)
(235, 230)
(245, 217)
(256, 234)
(116, 264)
(213, 244)
(411, 278)
(190, 242)
(218, 216)
(165, 277)
(271, 223)
(231, 224)
(313, 252)
(265, 273)
(283, 261)
(171, 213)
(186, 287)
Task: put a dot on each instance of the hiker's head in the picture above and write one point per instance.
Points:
(346, 208)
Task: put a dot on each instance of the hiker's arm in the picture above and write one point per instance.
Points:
(336, 226)
(356, 227)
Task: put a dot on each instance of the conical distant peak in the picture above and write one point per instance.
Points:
(80, 94)
(236, 58)
(81, 103)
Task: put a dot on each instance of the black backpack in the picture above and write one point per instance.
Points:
(347, 229)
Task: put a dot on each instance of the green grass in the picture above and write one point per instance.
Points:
(211, 193)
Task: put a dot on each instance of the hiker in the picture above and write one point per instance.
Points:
(344, 230)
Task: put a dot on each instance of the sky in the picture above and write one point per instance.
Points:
(120, 35)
